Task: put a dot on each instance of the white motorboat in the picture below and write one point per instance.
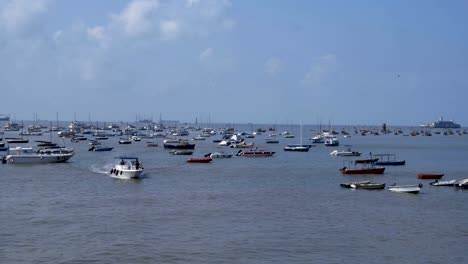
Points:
(29, 155)
(405, 188)
(318, 139)
(346, 152)
(443, 183)
(219, 155)
(332, 142)
(127, 168)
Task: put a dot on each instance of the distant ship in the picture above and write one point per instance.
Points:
(4, 118)
(441, 123)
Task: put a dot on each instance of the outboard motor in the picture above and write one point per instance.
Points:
(3, 160)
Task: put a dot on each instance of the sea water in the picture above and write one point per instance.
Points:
(288, 208)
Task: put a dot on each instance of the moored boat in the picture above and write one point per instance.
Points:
(348, 185)
(255, 153)
(199, 160)
(181, 152)
(462, 184)
(178, 144)
(151, 144)
(47, 155)
(345, 153)
(17, 140)
(368, 186)
(443, 183)
(331, 142)
(371, 170)
(429, 176)
(405, 188)
(219, 155)
(297, 147)
(387, 160)
(125, 141)
(100, 148)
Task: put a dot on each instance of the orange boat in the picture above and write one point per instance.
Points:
(434, 176)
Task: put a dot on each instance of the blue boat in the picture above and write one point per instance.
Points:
(387, 160)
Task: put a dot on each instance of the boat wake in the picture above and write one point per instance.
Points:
(101, 169)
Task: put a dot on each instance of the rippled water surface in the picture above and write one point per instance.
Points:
(285, 209)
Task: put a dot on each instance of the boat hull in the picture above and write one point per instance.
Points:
(363, 171)
(297, 149)
(430, 176)
(199, 160)
(368, 186)
(126, 174)
(18, 159)
(256, 154)
(414, 189)
(179, 146)
(443, 183)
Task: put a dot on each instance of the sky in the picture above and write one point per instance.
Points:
(235, 61)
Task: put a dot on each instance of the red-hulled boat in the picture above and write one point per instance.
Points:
(375, 170)
(199, 160)
(434, 176)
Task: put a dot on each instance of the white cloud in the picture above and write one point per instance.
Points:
(320, 70)
(170, 29)
(22, 16)
(206, 55)
(136, 17)
(98, 33)
(272, 66)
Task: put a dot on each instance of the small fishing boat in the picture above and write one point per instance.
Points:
(151, 144)
(199, 160)
(345, 153)
(242, 145)
(368, 185)
(136, 138)
(255, 153)
(100, 148)
(127, 168)
(219, 155)
(331, 142)
(443, 183)
(181, 152)
(462, 184)
(434, 176)
(178, 144)
(271, 141)
(17, 140)
(387, 160)
(405, 188)
(297, 147)
(348, 185)
(125, 141)
(370, 170)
